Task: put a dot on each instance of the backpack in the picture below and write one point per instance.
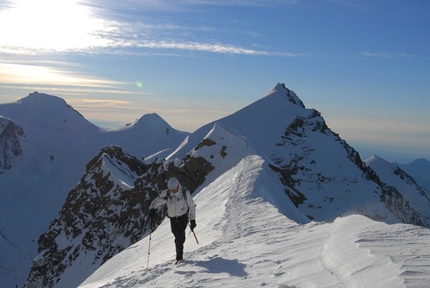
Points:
(184, 194)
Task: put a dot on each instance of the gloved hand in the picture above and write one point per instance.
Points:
(152, 214)
(193, 224)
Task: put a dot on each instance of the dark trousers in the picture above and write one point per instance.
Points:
(178, 226)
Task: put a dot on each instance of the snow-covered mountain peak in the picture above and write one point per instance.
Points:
(268, 116)
(421, 161)
(42, 100)
(262, 122)
(46, 112)
(151, 122)
(37, 104)
(280, 90)
(420, 164)
(376, 161)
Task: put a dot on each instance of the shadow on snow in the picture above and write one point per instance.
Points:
(220, 265)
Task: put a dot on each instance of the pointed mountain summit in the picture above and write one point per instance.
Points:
(150, 122)
(156, 126)
(281, 91)
(323, 176)
(154, 135)
(261, 122)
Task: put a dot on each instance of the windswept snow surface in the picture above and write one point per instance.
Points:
(246, 241)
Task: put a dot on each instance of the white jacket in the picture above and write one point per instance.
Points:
(176, 204)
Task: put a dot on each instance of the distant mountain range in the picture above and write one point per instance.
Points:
(86, 191)
(419, 169)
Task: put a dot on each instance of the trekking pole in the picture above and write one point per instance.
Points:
(149, 251)
(195, 236)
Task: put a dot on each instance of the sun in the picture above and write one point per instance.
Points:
(49, 25)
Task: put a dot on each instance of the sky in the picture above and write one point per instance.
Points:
(363, 64)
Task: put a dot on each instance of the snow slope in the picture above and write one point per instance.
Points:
(246, 242)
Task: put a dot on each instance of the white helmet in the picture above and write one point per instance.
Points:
(173, 183)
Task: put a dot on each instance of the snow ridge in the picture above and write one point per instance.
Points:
(246, 242)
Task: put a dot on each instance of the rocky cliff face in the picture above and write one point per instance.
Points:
(400, 192)
(101, 216)
(104, 214)
(313, 188)
(10, 146)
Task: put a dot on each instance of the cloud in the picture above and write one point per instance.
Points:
(48, 26)
(99, 103)
(67, 90)
(13, 73)
(52, 77)
(168, 5)
(245, 3)
(386, 55)
(196, 46)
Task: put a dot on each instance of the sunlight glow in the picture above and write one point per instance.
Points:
(31, 27)
(49, 25)
(30, 74)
